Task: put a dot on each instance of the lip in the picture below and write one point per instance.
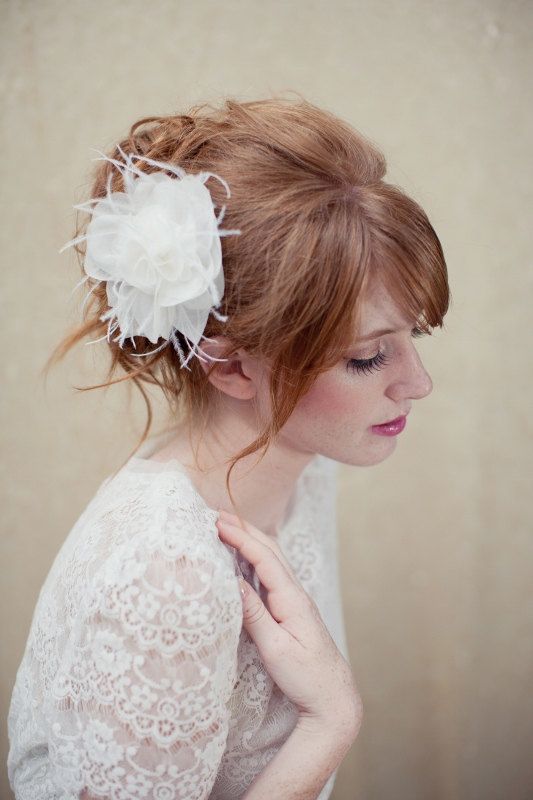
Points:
(391, 428)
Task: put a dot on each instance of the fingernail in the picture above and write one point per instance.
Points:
(242, 586)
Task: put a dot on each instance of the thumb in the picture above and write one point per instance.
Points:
(256, 617)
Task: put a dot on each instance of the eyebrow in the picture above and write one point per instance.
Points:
(375, 334)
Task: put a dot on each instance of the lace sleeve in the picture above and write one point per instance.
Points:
(138, 707)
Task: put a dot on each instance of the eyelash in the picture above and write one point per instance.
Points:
(368, 365)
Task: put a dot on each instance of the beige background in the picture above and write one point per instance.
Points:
(436, 544)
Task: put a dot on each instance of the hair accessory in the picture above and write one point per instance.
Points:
(157, 247)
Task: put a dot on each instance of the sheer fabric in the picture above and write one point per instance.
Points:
(138, 679)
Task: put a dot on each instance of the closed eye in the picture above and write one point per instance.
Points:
(368, 365)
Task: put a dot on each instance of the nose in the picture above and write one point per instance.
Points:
(412, 379)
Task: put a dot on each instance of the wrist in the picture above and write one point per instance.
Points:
(341, 726)
(339, 731)
(303, 764)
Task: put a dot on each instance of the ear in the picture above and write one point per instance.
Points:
(237, 376)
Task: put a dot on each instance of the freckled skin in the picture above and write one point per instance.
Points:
(335, 417)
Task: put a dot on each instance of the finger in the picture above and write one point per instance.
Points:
(260, 624)
(263, 537)
(251, 530)
(270, 570)
(235, 519)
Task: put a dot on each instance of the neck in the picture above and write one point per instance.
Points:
(262, 489)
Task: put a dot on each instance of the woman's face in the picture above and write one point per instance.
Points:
(336, 416)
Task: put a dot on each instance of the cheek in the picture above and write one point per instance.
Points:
(335, 397)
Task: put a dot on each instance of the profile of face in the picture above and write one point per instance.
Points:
(337, 415)
(375, 382)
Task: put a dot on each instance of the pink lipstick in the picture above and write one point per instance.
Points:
(391, 428)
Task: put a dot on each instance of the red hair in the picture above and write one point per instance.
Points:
(318, 225)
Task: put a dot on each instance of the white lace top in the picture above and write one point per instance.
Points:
(138, 679)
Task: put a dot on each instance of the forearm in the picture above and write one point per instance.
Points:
(303, 764)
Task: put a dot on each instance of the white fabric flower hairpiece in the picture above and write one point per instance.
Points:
(157, 247)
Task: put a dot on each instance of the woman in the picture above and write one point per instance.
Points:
(145, 674)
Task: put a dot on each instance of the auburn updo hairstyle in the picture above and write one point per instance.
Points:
(318, 225)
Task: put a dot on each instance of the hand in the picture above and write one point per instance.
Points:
(293, 641)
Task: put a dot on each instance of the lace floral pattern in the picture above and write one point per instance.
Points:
(138, 679)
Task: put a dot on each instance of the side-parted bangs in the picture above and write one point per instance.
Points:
(319, 225)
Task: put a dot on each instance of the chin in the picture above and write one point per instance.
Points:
(367, 456)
